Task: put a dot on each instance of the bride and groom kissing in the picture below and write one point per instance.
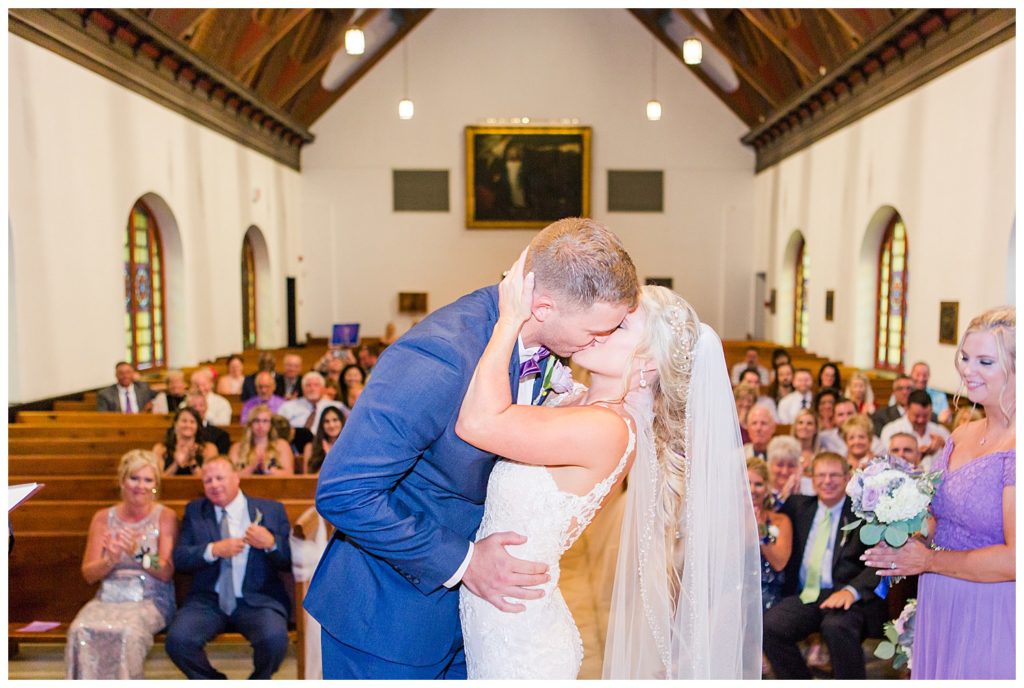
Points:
(459, 480)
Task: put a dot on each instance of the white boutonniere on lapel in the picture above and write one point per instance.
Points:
(557, 379)
(259, 518)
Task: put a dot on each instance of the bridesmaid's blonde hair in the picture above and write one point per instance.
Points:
(1001, 322)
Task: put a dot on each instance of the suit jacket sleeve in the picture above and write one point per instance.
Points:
(192, 541)
(413, 396)
(105, 401)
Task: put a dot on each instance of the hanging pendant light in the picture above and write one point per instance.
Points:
(406, 109)
(355, 41)
(693, 51)
(653, 106)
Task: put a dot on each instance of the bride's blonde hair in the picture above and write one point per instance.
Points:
(670, 335)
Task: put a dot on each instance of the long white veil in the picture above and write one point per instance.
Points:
(686, 602)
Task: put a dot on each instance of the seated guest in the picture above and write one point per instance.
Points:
(305, 411)
(218, 436)
(261, 451)
(342, 356)
(290, 382)
(297, 438)
(171, 399)
(829, 376)
(931, 437)
(231, 382)
(857, 436)
(331, 390)
(827, 589)
(264, 396)
(745, 396)
(353, 380)
(901, 389)
(185, 448)
(859, 391)
(783, 468)
(967, 415)
(753, 378)
(367, 357)
(779, 356)
(331, 423)
(760, 428)
(218, 409)
(920, 373)
(264, 364)
(783, 382)
(234, 546)
(390, 334)
(805, 431)
(824, 406)
(904, 445)
(127, 395)
(129, 549)
(831, 440)
(775, 531)
(800, 397)
(749, 361)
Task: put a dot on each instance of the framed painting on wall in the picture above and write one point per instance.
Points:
(526, 177)
(949, 316)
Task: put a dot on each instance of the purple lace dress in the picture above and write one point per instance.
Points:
(965, 630)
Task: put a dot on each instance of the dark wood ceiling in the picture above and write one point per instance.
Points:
(281, 54)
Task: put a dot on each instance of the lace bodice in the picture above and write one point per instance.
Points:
(968, 506)
(543, 641)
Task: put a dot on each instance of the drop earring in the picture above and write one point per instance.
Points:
(643, 380)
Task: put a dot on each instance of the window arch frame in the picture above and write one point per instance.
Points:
(884, 296)
(801, 313)
(155, 257)
(250, 327)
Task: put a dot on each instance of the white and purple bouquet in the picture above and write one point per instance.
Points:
(890, 498)
(899, 638)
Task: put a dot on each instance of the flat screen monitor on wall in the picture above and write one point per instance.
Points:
(345, 334)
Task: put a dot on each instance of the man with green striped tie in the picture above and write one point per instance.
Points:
(827, 589)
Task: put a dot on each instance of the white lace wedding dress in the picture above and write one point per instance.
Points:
(543, 641)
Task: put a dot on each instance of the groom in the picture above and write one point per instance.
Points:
(406, 494)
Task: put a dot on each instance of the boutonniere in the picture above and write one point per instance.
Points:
(557, 379)
(846, 534)
(769, 533)
(259, 518)
(149, 559)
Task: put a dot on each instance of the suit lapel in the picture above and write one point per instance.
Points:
(513, 372)
(210, 518)
(842, 537)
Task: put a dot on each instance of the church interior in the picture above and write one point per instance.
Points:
(190, 184)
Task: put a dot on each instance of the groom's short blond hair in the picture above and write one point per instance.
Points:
(583, 260)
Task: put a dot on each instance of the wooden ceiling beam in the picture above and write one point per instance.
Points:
(793, 52)
(250, 57)
(177, 22)
(320, 100)
(827, 42)
(311, 69)
(366, 17)
(716, 41)
(851, 23)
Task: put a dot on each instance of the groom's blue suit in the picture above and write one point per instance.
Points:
(406, 495)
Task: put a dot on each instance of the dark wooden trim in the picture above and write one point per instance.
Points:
(153, 64)
(851, 91)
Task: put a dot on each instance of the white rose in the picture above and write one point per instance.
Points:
(905, 503)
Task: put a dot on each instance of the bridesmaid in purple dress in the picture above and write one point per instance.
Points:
(967, 589)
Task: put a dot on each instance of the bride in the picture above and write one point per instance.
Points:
(686, 601)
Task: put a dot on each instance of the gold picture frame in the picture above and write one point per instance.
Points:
(526, 177)
(949, 317)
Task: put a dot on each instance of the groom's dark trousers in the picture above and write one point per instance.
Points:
(406, 496)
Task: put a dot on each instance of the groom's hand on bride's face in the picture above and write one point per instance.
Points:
(493, 574)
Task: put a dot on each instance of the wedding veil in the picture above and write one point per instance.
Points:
(686, 601)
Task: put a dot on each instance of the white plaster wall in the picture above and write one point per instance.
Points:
(82, 150)
(468, 65)
(943, 156)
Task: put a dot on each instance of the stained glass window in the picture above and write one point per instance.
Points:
(144, 320)
(248, 295)
(800, 309)
(892, 297)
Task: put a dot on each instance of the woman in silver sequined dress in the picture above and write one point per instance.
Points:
(129, 553)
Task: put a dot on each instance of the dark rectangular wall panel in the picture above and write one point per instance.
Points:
(636, 191)
(420, 190)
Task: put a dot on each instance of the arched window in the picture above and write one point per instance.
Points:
(144, 317)
(800, 315)
(892, 297)
(248, 294)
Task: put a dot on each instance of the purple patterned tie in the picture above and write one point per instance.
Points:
(531, 366)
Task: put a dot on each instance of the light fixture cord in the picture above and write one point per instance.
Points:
(405, 69)
(654, 69)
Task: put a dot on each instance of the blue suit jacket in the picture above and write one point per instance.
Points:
(262, 586)
(405, 493)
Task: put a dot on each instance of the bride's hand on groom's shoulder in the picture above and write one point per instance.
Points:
(493, 574)
(515, 293)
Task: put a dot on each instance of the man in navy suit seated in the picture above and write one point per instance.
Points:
(234, 545)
